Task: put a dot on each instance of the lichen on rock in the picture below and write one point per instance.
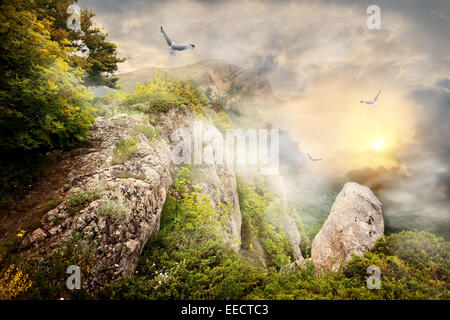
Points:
(354, 225)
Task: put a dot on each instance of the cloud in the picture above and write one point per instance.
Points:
(417, 192)
(288, 41)
(322, 60)
(265, 64)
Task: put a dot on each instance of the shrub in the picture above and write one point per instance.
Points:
(79, 200)
(125, 149)
(13, 282)
(188, 258)
(49, 274)
(43, 103)
(164, 93)
(261, 211)
(147, 130)
(114, 210)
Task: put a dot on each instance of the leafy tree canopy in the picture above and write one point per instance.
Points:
(96, 54)
(43, 102)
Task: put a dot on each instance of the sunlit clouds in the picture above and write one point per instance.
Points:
(320, 58)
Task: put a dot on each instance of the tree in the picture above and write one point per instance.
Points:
(97, 55)
(43, 103)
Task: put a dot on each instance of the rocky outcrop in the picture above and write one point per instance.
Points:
(354, 225)
(115, 207)
(216, 179)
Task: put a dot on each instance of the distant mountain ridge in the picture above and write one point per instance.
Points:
(244, 93)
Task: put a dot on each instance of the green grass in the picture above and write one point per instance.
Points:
(125, 149)
(114, 210)
(147, 130)
(414, 265)
(78, 201)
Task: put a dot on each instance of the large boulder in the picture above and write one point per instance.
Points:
(354, 225)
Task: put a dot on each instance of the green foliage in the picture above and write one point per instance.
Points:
(49, 274)
(78, 201)
(161, 95)
(125, 149)
(261, 214)
(164, 93)
(115, 210)
(219, 116)
(180, 264)
(147, 130)
(101, 59)
(43, 103)
(188, 258)
(414, 265)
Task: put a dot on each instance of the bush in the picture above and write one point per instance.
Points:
(13, 282)
(78, 200)
(114, 210)
(414, 265)
(125, 149)
(188, 258)
(164, 93)
(43, 103)
(147, 130)
(49, 274)
(261, 211)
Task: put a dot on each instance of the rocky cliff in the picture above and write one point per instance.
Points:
(354, 225)
(114, 203)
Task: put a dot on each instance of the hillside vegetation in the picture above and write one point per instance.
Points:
(46, 106)
(188, 258)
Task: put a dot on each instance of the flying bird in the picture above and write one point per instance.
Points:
(374, 101)
(313, 159)
(173, 46)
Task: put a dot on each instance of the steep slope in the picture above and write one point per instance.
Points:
(111, 212)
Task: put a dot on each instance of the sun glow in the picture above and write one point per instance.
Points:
(378, 144)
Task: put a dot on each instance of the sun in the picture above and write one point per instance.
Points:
(378, 144)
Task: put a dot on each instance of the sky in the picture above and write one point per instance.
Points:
(321, 60)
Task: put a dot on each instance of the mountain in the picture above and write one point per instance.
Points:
(244, 94)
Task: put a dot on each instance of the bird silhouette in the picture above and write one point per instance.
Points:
(173, 46)
(372, 103)
(313, 159)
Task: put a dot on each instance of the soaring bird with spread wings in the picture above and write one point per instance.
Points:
(173, 46)
(313, 159)
(374, 101)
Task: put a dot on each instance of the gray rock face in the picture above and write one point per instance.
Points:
(115, 208)
(217, 179)
(354, 225)
(288, 223)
